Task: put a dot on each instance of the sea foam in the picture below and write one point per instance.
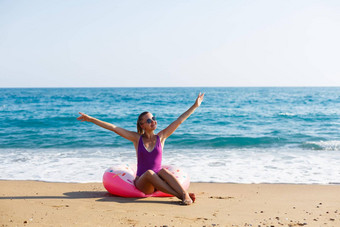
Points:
(207, 165)
(333, 145)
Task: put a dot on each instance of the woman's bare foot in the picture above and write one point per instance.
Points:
(187, 199)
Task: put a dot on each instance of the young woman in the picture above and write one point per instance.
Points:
(149, 147)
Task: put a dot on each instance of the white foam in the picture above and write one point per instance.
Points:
(235, 166)
(86, 165)
(287, 114)
(332, 145)
(270, 166)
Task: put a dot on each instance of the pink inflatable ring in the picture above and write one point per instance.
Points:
(119, 180)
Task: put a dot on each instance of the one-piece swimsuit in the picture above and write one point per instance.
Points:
(149, 160)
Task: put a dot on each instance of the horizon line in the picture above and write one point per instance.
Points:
(290, 86)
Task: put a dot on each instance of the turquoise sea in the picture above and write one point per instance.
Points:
(240, 135)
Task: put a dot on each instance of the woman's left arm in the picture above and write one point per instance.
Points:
(165, 133)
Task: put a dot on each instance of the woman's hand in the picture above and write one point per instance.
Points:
(84, 117)
(199, 99)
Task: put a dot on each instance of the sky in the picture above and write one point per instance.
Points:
(170, 43)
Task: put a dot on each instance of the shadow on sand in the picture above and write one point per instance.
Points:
(102, 196)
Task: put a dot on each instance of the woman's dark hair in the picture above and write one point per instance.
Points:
(139, 128)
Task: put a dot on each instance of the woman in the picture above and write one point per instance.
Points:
(149, 146)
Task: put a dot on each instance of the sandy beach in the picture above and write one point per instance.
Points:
(33, 203)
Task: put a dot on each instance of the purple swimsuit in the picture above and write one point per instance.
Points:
(149, 160)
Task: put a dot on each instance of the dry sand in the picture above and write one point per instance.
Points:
(32, 203)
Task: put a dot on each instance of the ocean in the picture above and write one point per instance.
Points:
(238, 135)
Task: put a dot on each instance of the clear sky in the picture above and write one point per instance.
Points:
(81, 43)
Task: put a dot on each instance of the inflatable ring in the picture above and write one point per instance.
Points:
(119, 180)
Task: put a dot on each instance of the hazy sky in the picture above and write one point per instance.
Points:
(126, 43)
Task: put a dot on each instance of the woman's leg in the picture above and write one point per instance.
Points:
(171, 180)
(150, 180)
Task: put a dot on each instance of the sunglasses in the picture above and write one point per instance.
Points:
(150, 120)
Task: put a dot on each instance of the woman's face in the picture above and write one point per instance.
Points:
(149, 122)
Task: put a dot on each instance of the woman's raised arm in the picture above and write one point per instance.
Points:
(165, 133)
(129, 135)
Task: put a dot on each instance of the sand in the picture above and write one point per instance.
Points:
(33, 203)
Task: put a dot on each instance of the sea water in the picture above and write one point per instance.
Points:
(238, 135)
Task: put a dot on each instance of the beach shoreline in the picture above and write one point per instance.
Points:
(38, 203)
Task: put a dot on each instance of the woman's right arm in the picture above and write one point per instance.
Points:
(129, 135)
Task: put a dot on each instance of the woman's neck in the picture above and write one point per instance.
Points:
(149, 135)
